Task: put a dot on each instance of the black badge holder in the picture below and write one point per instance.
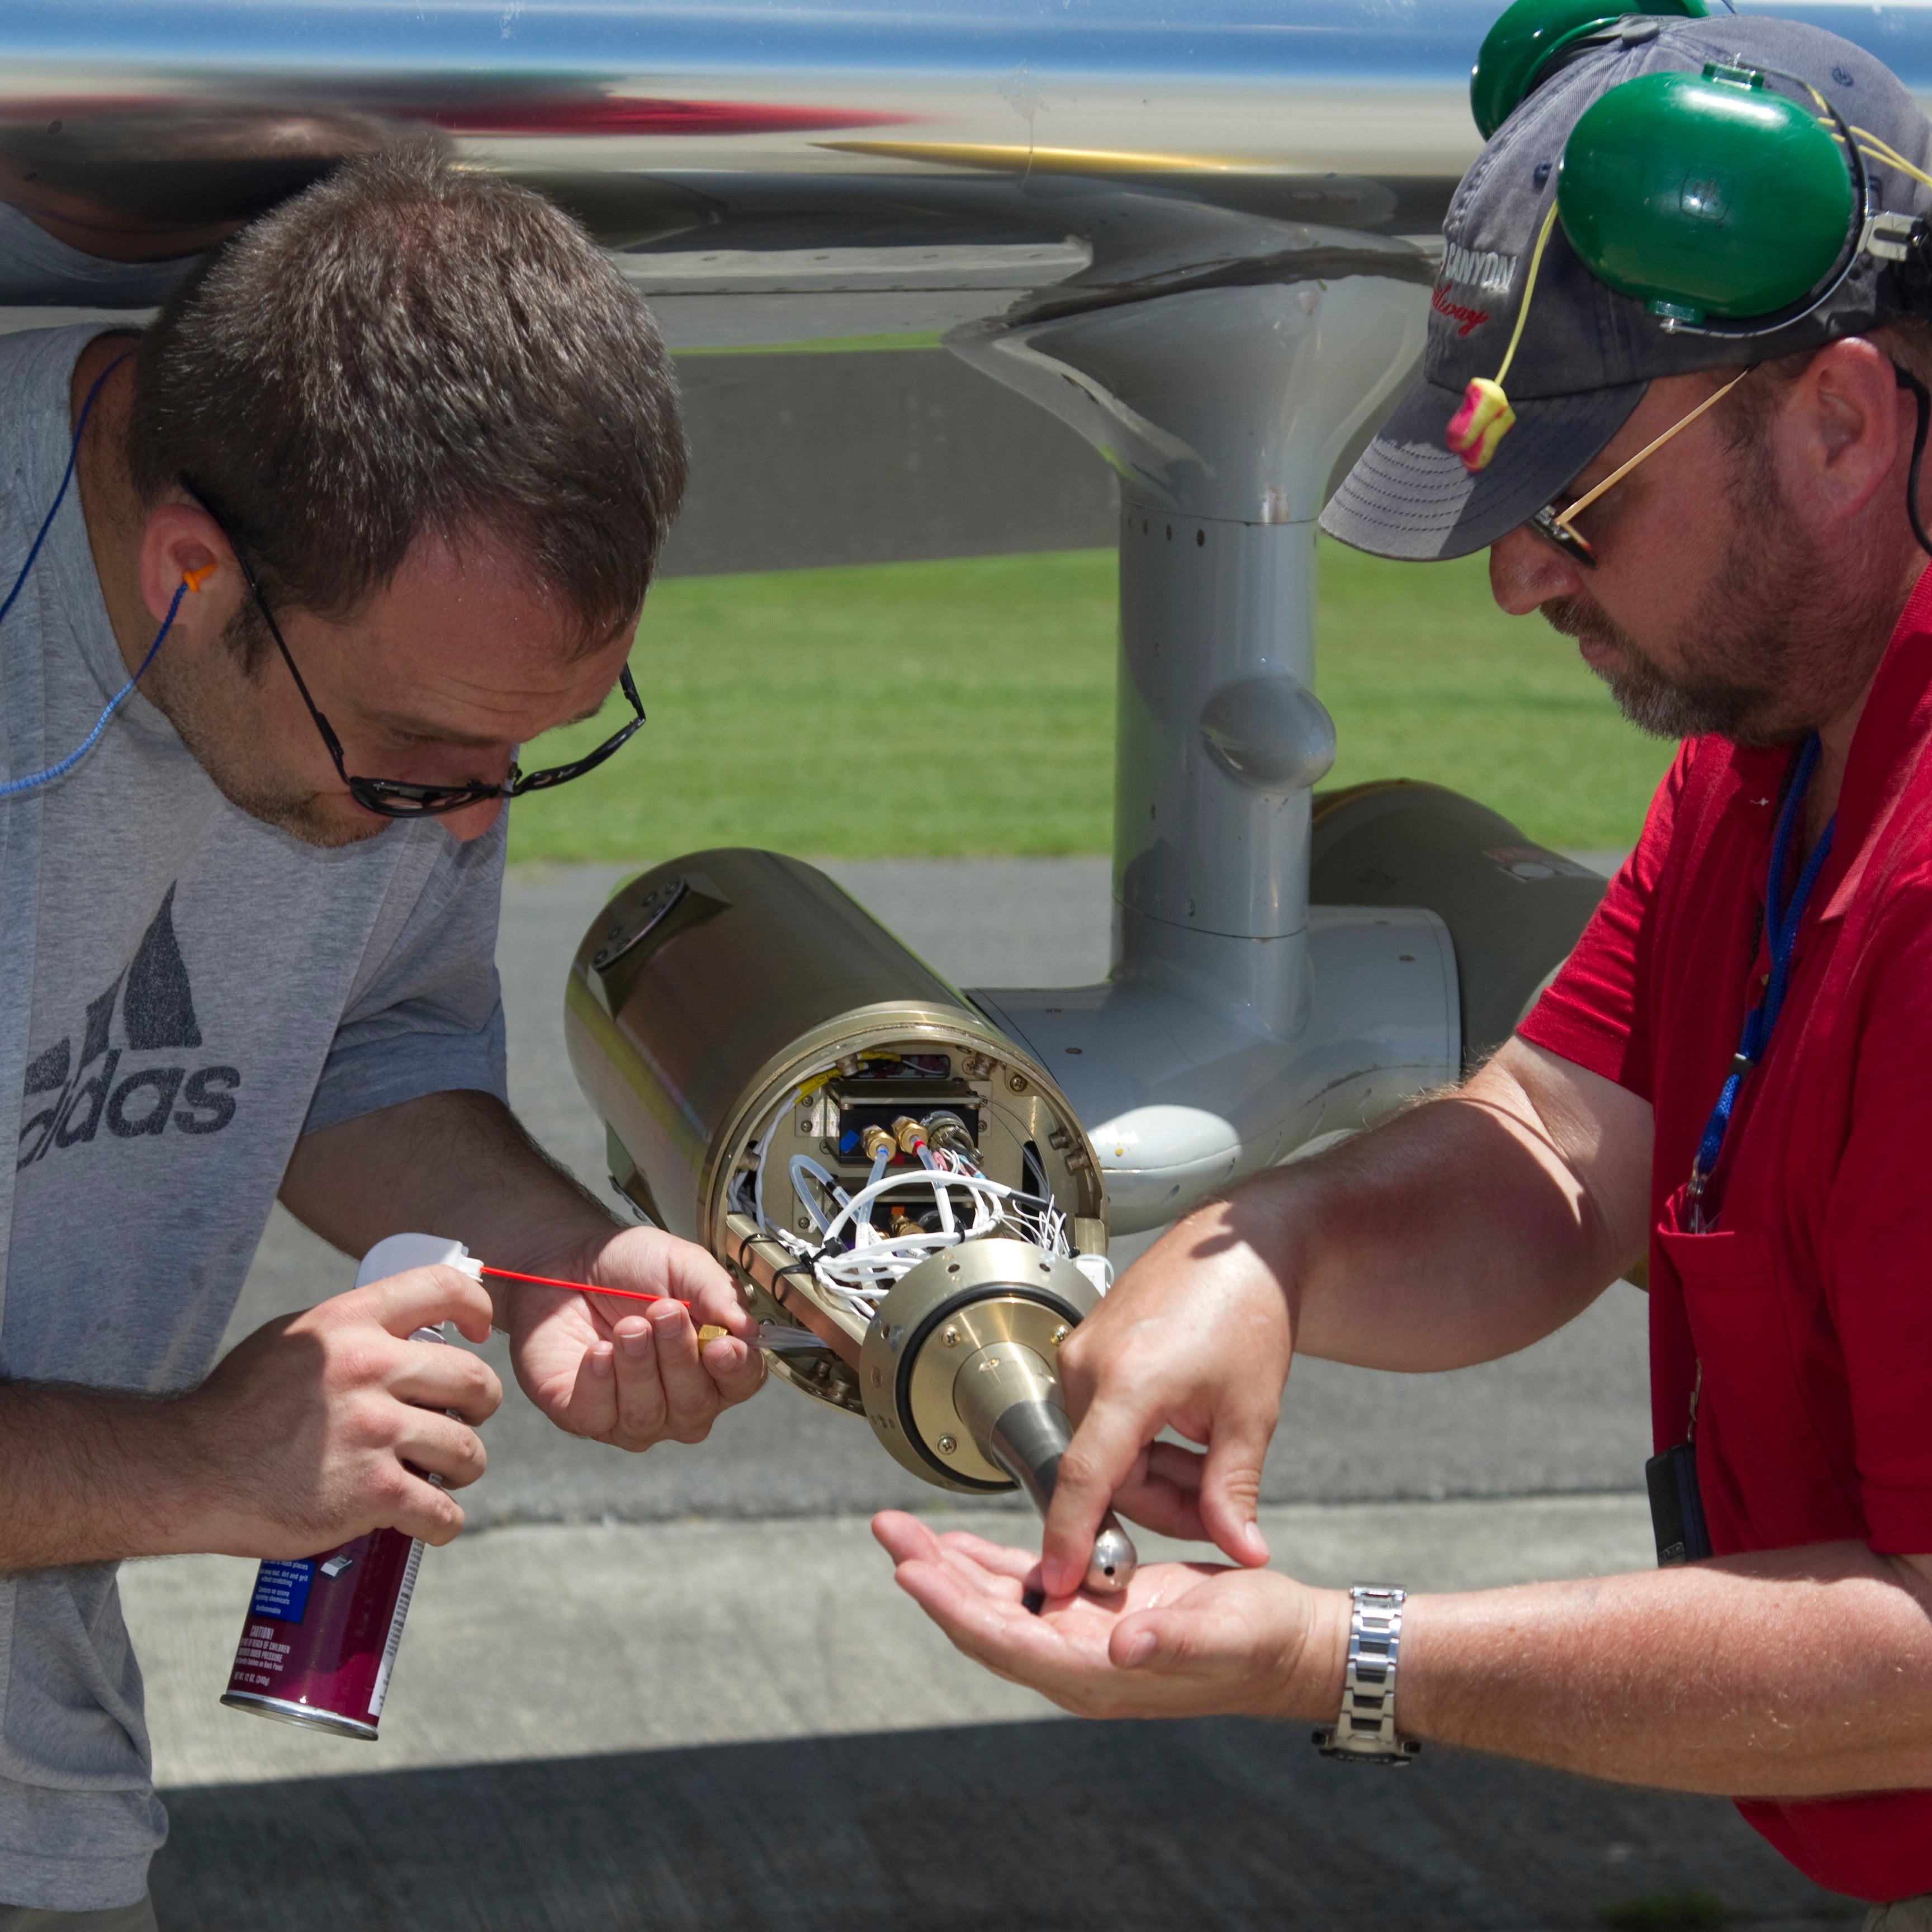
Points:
(1676, 1508)
(1676, 1503)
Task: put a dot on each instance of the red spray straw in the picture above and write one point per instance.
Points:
(769, 1332)
(581, 1287)
(710, 1332)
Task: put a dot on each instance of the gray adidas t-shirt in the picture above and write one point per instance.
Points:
(185, 991)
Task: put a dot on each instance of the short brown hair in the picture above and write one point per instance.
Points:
(411, 348)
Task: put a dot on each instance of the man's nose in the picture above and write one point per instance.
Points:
(1526, 570)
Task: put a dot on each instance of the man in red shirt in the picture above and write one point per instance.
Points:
(1733, 1072)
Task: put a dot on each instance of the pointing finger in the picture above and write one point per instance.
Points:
(1105, 1449)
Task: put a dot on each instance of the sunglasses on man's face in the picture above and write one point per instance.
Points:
(398, 798)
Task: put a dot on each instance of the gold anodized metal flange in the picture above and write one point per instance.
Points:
(943, 1312)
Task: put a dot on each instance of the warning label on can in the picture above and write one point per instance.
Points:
(281, 1589)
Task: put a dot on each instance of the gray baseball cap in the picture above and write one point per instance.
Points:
(1588, 353)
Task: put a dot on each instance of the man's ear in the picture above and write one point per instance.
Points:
(181, 543)
(1844, 428)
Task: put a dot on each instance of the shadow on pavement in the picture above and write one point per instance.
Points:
(1223, 1823)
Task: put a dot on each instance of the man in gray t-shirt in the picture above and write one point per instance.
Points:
(374, 501)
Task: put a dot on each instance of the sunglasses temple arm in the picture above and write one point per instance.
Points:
(1649, 449)
(321, 724)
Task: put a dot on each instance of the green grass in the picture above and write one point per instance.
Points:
(933, 709)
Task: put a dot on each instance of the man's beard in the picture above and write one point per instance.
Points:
(191, 697)
(1690, 705)
(1764, 656)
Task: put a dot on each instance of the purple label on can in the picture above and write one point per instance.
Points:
(282, 1588)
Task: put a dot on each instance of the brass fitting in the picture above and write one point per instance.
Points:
(909, 1134)
(874, 1138)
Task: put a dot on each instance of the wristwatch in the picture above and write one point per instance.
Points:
(1365, 1733)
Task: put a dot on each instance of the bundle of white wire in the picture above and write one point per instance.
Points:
(853, 1260)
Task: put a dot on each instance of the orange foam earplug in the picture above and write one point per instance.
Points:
(1484, 419)
(195, 579)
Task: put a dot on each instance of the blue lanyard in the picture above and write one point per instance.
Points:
(1781, 924)
(33, 780)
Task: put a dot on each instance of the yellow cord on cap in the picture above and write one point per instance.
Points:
(1883, 151)
(1528, 290)
(1486, 417)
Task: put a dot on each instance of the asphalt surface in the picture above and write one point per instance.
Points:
(679, 1690)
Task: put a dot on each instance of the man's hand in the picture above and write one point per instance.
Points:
(631, 1373)
(1196, 1338)
(1185, 1639)
(322, 1425)
(1461, 1230)
(626, 1373)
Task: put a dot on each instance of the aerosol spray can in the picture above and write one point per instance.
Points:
(322, 1632)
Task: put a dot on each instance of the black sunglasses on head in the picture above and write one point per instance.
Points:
(397, 798)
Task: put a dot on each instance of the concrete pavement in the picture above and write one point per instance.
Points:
(726, 1725)
(679, 1690)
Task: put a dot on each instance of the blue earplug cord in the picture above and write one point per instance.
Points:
(14, 787)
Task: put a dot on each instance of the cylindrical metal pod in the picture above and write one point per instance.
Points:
(732, 1009)
(714, 985)
(959, 1380)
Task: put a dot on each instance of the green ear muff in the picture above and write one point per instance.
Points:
(1708, 195)
(1517, 51)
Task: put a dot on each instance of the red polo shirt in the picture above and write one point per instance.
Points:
(1809, 1307)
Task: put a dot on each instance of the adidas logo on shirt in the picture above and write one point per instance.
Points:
(102, 1088)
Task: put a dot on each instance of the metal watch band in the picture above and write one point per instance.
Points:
(1365, 1733)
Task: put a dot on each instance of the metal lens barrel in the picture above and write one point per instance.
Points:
(959, 1379)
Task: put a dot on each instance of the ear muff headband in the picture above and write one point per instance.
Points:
(1701, 195)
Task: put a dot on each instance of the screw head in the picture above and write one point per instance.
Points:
(951, 1338)
(946, 1445)
(804, 1224)
(1017, 1081)
(1060, 1334)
